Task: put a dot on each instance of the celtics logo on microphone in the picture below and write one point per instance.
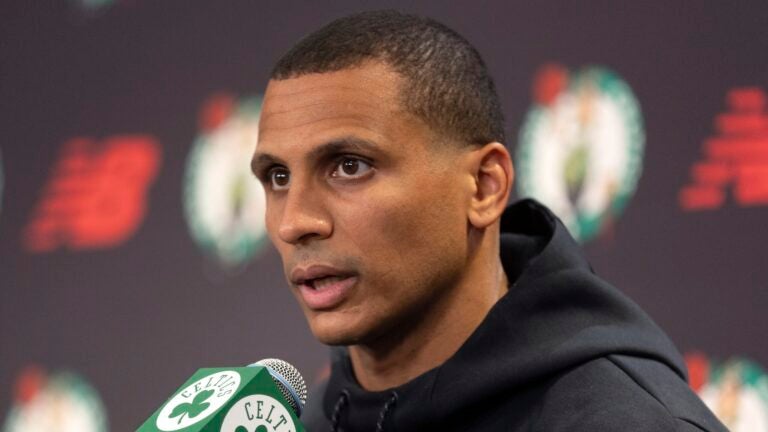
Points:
(198, 401)
(240, 399)
(258, 413)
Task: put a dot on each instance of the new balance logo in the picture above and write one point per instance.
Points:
(96, 196)
(735, 159)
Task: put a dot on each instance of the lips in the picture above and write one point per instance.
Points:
(322, 287)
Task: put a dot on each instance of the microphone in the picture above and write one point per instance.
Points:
(288, 380)
(266, 396)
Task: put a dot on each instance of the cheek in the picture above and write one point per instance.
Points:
(272, 217)
(270, 224)
(272, 220)
(406, 238)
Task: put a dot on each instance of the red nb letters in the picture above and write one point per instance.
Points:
(97, 194)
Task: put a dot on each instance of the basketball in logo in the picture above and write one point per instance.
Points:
(581, 147)
(223, 201)
(61, 402)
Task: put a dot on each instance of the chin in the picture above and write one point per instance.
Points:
(331, 329)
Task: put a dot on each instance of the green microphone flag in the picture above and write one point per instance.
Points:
(241, 399)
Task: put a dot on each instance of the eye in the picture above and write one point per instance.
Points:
(351, 168)
(279, 178)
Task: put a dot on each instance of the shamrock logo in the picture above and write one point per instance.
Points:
(260, 428)
(194, 408)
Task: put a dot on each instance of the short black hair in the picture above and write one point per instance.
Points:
(446, 83)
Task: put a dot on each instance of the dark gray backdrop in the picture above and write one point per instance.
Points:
(137, 319)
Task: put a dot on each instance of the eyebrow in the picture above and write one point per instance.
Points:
(262, 161)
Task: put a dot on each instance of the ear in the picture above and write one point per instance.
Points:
(493, 175)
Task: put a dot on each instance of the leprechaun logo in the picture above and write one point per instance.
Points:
(736, 391)
(57, 401)
(581, 147)
(224, 204)
(198, 400)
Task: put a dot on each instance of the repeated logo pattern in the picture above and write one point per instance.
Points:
(735, 158)
(224, 203)
(581, 147)
(59, 401)
(96, 197)
(735, 390)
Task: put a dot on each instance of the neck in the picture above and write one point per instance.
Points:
(416, 347)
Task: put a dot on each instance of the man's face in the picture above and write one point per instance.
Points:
(364, 203)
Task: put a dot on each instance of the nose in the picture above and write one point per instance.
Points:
(304, 216)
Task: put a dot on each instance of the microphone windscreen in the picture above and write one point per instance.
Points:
(288, 380)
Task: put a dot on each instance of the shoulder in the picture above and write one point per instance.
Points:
(622, 393)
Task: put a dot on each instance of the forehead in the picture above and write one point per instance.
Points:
(363, 101)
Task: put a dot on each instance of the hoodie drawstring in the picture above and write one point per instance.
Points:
(340, 405)
(388, 407)
(343, 401)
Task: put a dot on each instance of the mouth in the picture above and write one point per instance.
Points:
(322, 287)
(323, 283)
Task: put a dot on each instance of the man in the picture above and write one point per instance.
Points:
(380, 150)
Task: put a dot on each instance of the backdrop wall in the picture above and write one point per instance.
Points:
(132, 248)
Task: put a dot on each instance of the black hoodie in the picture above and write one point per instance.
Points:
(562, 351)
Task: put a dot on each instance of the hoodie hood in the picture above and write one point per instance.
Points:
(556, 315)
